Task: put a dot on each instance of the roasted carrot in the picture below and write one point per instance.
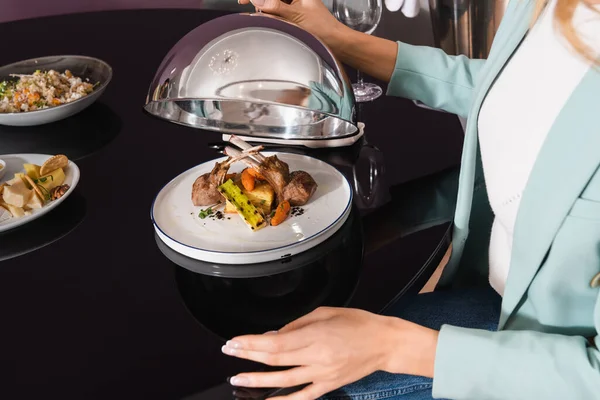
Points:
(255, 174)
(248, 180)
(282, 212)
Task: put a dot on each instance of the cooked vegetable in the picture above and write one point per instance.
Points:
(262, 197)
(243, 205)
(281, 213)
(205, 213)
(247, 180)
(255, 174)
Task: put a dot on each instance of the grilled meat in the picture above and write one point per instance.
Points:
(299, 189)
(277, 173)
(204, 190)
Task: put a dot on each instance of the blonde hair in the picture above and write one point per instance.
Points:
(563, 18)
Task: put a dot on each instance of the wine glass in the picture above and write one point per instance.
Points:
(362, 16)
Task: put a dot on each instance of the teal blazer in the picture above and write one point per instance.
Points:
(546, 343)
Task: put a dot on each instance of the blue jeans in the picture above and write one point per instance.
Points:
(468, 308)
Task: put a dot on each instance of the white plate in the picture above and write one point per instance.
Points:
(14, 164)
(230, 241)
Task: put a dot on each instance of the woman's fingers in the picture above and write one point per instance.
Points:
(276, 7)
(305, 356)
(271, 343)
(243, 2)
(320, 314)
(279, 379)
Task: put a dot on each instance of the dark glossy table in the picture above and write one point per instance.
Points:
(90, 308)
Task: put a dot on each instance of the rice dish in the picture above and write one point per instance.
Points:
(42, 90)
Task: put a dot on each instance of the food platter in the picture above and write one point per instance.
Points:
(42, 90)
(227, 240)
(14, 165)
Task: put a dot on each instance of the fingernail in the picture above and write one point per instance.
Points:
(258, 3)
(229, 350)
(233, 344)
(270, 333)
(239, 381)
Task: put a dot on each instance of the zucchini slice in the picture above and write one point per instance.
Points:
(244, 207)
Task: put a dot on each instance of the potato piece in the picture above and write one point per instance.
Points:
(262, 196)
(229, 208)
(32, 171)
(52, 180)
(54, 163)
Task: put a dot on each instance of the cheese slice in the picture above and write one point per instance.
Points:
(16, 212)
(34, 202)
(5, 215)
(17, 193)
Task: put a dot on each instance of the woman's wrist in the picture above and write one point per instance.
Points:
(338, 39)
(411, 347)
(372, 55)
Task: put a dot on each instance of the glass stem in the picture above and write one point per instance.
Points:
(359, 78)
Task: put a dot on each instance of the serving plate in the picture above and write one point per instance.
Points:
(229, 241)
(84, 67)
(14, 164)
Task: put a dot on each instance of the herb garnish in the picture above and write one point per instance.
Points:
(5, 89)
(44, 179)
(205, 213)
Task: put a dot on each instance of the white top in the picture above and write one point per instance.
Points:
(516, 116)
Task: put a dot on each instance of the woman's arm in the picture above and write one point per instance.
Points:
(438, 80)
(419, 73)
(474, 364)
(415, 72)
(336, 346)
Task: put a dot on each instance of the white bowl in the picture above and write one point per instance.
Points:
(85, 67)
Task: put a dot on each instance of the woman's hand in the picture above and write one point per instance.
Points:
(332, 347)
(311, 15)
(372, 55)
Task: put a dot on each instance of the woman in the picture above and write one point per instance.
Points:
(533, 228)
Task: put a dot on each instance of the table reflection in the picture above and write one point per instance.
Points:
(77, 137)
(277, 292)
(44, 230)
